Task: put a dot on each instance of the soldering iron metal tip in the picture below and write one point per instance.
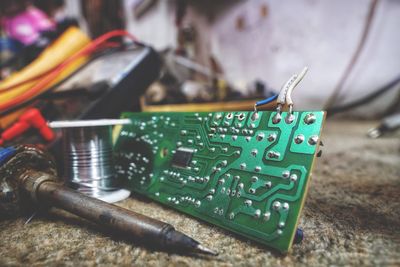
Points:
(205, 250)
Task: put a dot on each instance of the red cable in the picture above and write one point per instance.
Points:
(30, 118)
(88, 49)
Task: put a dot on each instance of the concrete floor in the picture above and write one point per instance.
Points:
(351, 217)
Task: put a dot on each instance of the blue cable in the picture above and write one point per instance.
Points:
(6, 153)
(266, 101)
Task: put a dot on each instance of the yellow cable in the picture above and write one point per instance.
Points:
(66, 45)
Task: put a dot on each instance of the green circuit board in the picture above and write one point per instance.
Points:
(242, 171)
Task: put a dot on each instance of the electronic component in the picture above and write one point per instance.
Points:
(248, 172)
(182, 157)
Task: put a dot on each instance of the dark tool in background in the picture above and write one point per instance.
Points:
(107, 85)
(118, 91)
(28, 179)
(388, 125)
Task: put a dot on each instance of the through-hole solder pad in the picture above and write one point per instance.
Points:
(241, 171)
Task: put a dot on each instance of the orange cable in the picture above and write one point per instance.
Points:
(88, 49)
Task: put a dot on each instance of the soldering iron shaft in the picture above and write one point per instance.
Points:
(42, 188)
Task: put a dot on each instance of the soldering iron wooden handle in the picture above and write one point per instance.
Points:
(129, 224)
(31, 171)
(110, 216)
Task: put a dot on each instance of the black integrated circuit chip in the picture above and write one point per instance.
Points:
(182, 157)
(242, 172)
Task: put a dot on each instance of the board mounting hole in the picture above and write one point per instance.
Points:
(164, 152)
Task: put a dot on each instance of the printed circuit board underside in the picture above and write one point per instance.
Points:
(243, 171)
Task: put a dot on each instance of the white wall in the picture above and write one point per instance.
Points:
(321, 34)
(156, 27)
(73, 8)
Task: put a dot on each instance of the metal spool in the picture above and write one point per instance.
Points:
(88, 158)
(88, 155)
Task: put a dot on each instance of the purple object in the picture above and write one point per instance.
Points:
(27, 25)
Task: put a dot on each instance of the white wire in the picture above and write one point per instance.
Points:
(88, 123)
(282, 94)
(293, 85)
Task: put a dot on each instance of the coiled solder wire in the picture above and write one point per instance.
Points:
(88, 159)
(88, 155)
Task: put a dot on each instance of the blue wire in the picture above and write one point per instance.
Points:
(266, 101)
(6, 153)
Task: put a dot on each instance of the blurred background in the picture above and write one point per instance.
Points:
(270, 40)
(214, 55)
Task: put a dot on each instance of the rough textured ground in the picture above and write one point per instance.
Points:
(351, 217)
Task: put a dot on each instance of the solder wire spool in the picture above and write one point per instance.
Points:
(88, 159)
(88, 156)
